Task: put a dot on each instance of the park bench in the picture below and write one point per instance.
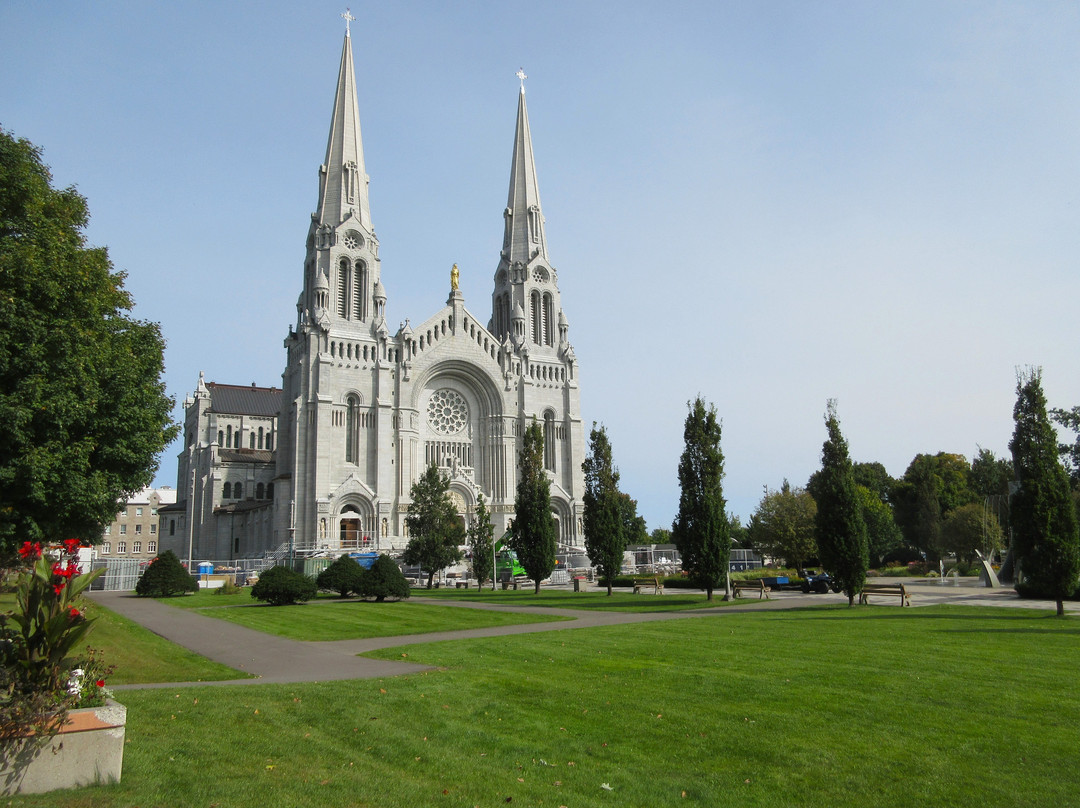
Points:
(758, 586)
(656, 583)
(895, 590)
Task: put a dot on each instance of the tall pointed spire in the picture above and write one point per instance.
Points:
(343, 182)
(524, 237)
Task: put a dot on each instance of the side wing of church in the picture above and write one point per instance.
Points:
(328, 461)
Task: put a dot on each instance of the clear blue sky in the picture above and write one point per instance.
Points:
(767, 203)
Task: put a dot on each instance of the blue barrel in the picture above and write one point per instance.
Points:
(206, 568)
(365, 560)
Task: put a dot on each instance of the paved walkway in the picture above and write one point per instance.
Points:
(278, 660)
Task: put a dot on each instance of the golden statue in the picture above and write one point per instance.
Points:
(454, 275)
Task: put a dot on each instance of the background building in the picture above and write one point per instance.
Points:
(135, 532)
(328, 461)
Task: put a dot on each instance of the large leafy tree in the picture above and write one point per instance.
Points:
(533, 531)
(1070, 452)
(701, 529)
(783, 525)
(83, 410)
(971, 528)
(882, 534)
(605, 534)
(435, 532)
(1042, 516)
(932, 486)
(481, 538)
(841, 531)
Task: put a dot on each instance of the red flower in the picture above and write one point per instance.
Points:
(100, 683)
(74, 613)
(58, 589)
(30, 550)
(72, 545)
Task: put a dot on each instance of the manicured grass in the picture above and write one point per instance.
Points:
(828, 706)
(141, 656)
(621, 600)
(351, 620)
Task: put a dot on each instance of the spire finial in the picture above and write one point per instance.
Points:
(521, 77)
(348, 18)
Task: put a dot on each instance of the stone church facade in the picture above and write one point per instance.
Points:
(328, 461)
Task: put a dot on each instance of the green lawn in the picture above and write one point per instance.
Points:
(830, 706)
(621, 600)
(139, 655)
(349, 620)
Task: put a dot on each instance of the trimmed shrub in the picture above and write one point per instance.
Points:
(343, 576)
(280, 586)
(166, 577)
(384, 580)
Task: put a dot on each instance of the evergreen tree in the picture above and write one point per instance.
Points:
(841, 531)
(481, 537)
(605, 538)
(281, 586)
(435, 532)
(83, 410)
(701, 530)
(165, 577)
(343, 576)
(384, 580)
(532, 535)
(1042, 516)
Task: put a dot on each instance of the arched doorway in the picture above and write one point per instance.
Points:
(352, 533)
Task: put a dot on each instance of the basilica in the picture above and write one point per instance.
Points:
(326, 462)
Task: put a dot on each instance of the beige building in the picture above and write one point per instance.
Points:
(134, 533)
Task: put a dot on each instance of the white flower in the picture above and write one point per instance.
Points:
(75, 682)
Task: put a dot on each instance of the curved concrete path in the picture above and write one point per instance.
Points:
(273, 659)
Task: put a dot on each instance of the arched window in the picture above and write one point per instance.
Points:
(251, 440)
(220, 438)
(226, 491)
(360, 288)
(352, 442)
(228, 436)
(343, 288)
(547, 319)
(260, 490)
(549, 440)
(260, 437)
(238, 491)
(535, 316)
(270, 441)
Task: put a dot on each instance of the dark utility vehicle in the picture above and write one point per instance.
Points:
(819, 583)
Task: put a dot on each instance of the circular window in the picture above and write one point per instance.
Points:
(352, 240)
(539, 275)
(447, 412)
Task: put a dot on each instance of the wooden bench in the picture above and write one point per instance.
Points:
(895, 590)
(751, 586)
(656, 583)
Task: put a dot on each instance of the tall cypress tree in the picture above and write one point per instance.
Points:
(434, 529)
(605, 539)
(701, 530)
(841, 531)
(481, 537)
(533, 533)
(1042, 517)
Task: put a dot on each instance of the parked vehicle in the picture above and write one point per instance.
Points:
(817, 582)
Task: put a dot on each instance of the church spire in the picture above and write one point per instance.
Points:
(343, 182)
(524, 236)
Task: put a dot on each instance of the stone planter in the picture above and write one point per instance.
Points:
(88, 749)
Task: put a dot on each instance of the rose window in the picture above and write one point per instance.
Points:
(352, 240)
(447, 412)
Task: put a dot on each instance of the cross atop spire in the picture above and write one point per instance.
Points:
(521, 77)
(348, 18)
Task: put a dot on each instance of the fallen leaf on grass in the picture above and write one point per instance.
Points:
(382, 689)
(606, 787)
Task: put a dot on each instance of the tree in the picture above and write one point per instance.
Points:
(605, 530)
(1042, 515)
(165, 577)
(532, 535)
(701, 529)
(634, 528)
(434, 528)
(660, 535)
(783, 525)
(971, 528)
(932, 486)
(281, 586)
(343, 576)
(1070, 452)
(83, 410)
(481, 538)
(841, 531)
(882, 534)
(384, 580)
